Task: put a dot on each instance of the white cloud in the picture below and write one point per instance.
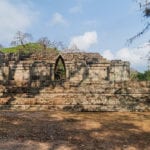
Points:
(76, 9)
(108, 54)
(14, 17)
(84, 41)
(58, 19)
(136, 56)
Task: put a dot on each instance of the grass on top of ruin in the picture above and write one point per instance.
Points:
(50, 130)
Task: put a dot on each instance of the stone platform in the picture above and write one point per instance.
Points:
(98, 96)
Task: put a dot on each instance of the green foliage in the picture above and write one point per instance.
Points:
(133, 76)
(141, 76)
(29, 48)
(147, 74)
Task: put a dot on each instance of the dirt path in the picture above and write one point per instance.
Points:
(74, 131)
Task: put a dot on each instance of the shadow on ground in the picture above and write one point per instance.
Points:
(74, 131)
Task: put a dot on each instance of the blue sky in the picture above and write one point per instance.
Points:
(93, 25)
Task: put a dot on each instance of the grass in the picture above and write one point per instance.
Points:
(29, 47)
(74, 131)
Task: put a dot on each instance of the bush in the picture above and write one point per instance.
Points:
(144, 76)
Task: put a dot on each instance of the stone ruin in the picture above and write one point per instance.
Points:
(69, 81)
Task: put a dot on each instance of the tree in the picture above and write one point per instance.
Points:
(59, 45)
(144, 76)
(21, 39)
(145, 9)
(144, 6)
(45, 42)
(147, 75)
(140, 76)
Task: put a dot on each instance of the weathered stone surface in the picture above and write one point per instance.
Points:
(75, 99)
(92, 83)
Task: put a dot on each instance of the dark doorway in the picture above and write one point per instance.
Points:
(60, 69)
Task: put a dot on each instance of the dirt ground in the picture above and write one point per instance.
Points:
(74, 131)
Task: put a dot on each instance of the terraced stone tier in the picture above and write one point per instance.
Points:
(102, 96)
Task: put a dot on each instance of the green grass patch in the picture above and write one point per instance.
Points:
(27, 48)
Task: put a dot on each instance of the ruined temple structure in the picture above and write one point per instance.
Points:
(64, 66)
(69, 81)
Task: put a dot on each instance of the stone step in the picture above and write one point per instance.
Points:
(58, 107)
(77, 107)
(65, 98)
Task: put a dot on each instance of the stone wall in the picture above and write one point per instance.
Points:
(91, 83)
(119, 70)
(98, 96)
(78, 66)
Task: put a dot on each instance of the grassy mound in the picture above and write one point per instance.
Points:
(27, 48)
